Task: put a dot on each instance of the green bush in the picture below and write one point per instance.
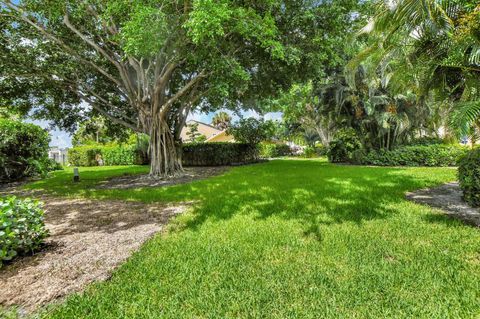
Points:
(425, 140)
(314, 151)
(420, 155)
(469, 177)
(54, 166)
(23, 150)
(84, 155)
(215, 154)
(90, 155)
(269, 150)
(22, 229)
(344, 146)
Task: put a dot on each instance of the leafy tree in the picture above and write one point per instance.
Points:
(100, 131)
(251, 130)
(221, 120)
(146, 65)
(194, 136)
(434, 45)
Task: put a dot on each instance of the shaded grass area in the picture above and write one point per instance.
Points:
(296, 239)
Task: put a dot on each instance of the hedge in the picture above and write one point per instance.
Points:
(22, 229)
(194, 154)
(269, 150)
(419, 155)
(23, 150)
(90, 155)
(215, 154)
(469, 177)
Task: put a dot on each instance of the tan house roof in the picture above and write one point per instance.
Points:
(212, 133)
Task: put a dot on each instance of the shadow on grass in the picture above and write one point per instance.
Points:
(312, 192)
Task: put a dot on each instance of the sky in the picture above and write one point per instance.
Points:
(63, 139)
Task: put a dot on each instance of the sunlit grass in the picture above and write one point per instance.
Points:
(299, 239)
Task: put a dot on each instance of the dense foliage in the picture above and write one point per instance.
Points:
(22, 229)
(23, 150)
(270, 150)
(416, 155)
(315, 151)
(469, 176)
(344, 146)
(216, 154)
(251, 130)
(94, 155)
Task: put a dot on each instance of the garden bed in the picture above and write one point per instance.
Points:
(88, 240)
(447, 197)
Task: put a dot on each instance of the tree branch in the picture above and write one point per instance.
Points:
(67, 48)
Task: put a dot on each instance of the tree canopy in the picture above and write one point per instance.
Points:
(147, 64)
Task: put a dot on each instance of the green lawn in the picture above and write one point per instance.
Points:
(290, 239)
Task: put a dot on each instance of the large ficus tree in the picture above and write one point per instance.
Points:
(146, 64)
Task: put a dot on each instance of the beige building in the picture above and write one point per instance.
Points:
(212, 133)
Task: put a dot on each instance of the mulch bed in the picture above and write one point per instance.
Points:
(88, 239)
(447, 197)
(139, 181)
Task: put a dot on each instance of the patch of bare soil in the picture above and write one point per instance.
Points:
(447, 197)
(139, 181)
(88, 239)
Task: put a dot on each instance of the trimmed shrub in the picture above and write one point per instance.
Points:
(121, 155)
(268, 150)
(193, 154)
(90, 155)
(343, 146)
(420, 155)
(22, 229)
(23, 150)
(469, 177)
(216, 154)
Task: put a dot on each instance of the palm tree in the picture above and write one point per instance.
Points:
(221, 120)
(434, 44)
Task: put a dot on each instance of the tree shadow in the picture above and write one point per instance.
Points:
(311, 192)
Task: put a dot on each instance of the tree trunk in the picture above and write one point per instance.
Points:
(165, 159)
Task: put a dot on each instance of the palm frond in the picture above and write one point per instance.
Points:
(465, 116)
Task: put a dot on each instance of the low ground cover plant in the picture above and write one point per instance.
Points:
(469, 177)
(22, 227)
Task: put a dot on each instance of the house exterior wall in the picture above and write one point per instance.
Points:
(59, 155)
(210, 132)
(221, 137)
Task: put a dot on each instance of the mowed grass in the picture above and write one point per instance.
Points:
(289, 239)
